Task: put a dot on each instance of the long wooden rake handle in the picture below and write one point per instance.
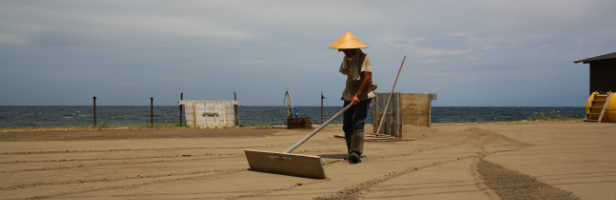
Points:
(389, 98)
(315, 131)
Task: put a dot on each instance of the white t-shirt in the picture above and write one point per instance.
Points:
(352, 66)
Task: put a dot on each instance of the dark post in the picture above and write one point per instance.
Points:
(94, 110)
(181, 107)
(236, 109)
(322, 109)
(151, 112)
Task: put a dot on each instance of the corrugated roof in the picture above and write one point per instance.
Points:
(598, 58)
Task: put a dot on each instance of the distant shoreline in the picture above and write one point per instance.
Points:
(168, 116)
(263, 126)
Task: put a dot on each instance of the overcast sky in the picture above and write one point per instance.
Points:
(471, 53)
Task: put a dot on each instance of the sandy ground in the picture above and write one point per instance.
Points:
(515, 160)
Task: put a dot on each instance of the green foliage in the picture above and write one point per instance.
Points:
(264, 126)
(552, 116)
(103, 125)
(164, 125)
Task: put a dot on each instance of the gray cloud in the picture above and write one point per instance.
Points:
(470, 53)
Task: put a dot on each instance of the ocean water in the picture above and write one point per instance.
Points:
(62, 116)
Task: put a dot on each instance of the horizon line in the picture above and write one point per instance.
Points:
(306, 105)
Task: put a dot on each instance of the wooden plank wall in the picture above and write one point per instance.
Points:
(415, 109)
(391, 123)
(209, 113)
(406, 109)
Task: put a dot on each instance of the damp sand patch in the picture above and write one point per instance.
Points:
(509, 184)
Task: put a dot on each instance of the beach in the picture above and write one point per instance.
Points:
(567, 159)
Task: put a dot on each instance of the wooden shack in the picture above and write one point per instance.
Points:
(210, 113)
(602, 72)
(405, 109)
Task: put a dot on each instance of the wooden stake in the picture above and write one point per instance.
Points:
(236, 109)
(181, 108)
(322, 109)
(94, 110)
(194, 115)
(391, 94)
(287, 95)
(151, 112)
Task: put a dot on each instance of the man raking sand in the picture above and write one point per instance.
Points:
(357, 67)
(357, 95)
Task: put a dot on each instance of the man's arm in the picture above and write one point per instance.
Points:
(362, 88)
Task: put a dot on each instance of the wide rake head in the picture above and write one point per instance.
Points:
(285, 163)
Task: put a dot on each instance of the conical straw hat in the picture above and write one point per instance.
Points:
(348, 41)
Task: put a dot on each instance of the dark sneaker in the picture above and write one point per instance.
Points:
(354, 158)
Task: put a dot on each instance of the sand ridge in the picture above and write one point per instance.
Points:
(450, 161)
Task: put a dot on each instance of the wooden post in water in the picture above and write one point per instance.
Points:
(236, 109)
(151, 112)
(322, 109)
(181, 107)
(94, 111)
